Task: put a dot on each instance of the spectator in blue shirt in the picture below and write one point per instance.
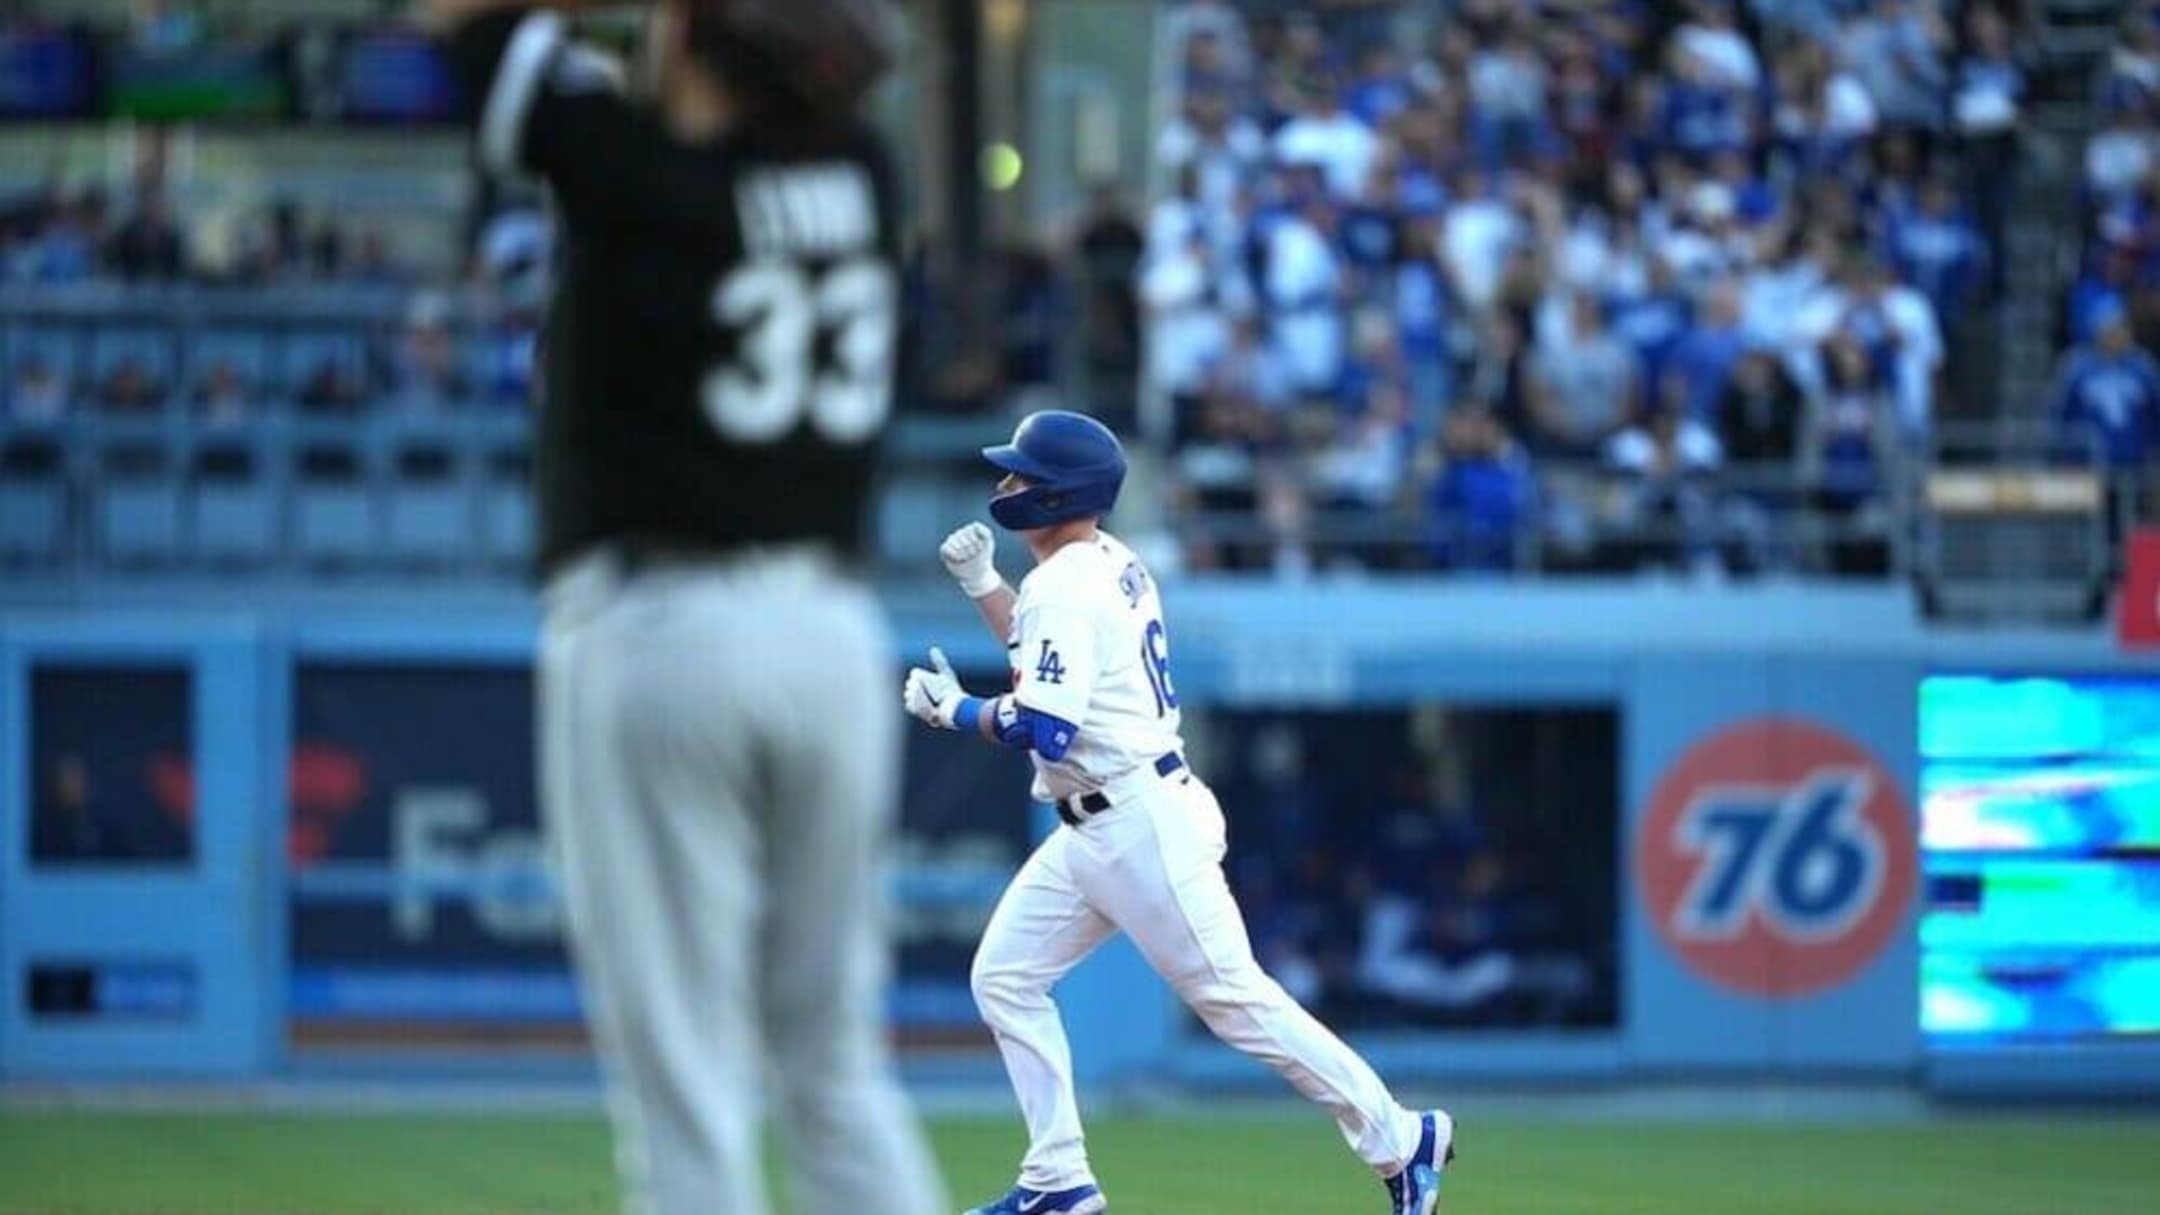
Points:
(1939, 250)
(1699, 114)
(1654, 321)
(2101, 292)
(1484, 497)
(2109, 392)
(1381, 89)
(1368, 229)
(1422, 309)
(1702, 361)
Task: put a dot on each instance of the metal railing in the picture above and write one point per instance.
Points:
(1586, 517)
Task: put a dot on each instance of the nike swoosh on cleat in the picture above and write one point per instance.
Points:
(1037, 1201)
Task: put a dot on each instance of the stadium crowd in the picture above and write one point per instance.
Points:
(1567, 266)
(2109, 385)
(1459, 284)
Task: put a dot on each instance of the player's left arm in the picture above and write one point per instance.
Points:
(1056, 672)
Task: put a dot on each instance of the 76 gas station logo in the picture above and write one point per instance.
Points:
(1804, 857)
(1776, 858)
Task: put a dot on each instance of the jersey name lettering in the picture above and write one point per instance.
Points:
(1133, 582)
(816, 211)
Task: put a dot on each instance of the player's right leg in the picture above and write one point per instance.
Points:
(1155, 867)
(1041, 929)
(850, 1135)
(660, 894)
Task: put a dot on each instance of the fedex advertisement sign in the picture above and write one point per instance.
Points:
(1777, 858)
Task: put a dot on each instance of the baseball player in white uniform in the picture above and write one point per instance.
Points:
(1141, 846)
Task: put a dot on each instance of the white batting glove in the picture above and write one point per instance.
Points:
(968, 556)
(931, 695)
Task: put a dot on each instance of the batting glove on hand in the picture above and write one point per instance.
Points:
(932, 695)
(967, 555)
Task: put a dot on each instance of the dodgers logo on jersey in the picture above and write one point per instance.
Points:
(1776, 858)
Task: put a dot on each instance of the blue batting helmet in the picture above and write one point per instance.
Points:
(1073, 466)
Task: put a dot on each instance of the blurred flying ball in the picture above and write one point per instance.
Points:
(1002, 166)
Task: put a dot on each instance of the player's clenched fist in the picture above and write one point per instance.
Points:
(932, 695)
(968, 556)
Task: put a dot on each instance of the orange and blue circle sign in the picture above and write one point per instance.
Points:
(1777, 858)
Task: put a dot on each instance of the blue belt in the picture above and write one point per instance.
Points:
(1081, 807)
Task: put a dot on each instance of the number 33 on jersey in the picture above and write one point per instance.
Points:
(780, 312)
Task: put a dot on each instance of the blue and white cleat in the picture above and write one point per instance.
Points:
(1079, 1200)
(1416, 1190)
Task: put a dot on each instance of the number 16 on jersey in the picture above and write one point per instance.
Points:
(1155, 660)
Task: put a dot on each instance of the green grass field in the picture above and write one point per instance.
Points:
(309, 1164)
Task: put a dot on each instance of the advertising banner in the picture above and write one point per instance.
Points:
(420, 893)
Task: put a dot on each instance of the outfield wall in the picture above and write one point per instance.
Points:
(1767, 761)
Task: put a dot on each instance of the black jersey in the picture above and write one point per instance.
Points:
(717, 363)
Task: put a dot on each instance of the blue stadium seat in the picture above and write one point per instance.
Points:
(235, 523)
(506, 511)
(33, 498)
(236, 507)
(33, 519)
(333, 502)
(428, 511)
(139, 499)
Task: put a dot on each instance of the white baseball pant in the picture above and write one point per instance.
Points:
(718, 766)
(1151, 867)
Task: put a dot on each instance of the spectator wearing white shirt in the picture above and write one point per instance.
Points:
(1892, 324)
(1328, 137)
(1773, 293)
(1989, 85)
(1508, 94)
(1303, 293)
(1363, 468)
(1582, 384)
(1667, 467)
(1713, 37)
(1221, 149)
(1895, 48)
(1220, 460)
(1177, 217)
(1480, 232)
(2120, 156)
(2133, 64)
(1710, 245)
(1822, 109)
(1186, 326)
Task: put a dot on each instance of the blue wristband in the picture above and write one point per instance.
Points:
(967, 715)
